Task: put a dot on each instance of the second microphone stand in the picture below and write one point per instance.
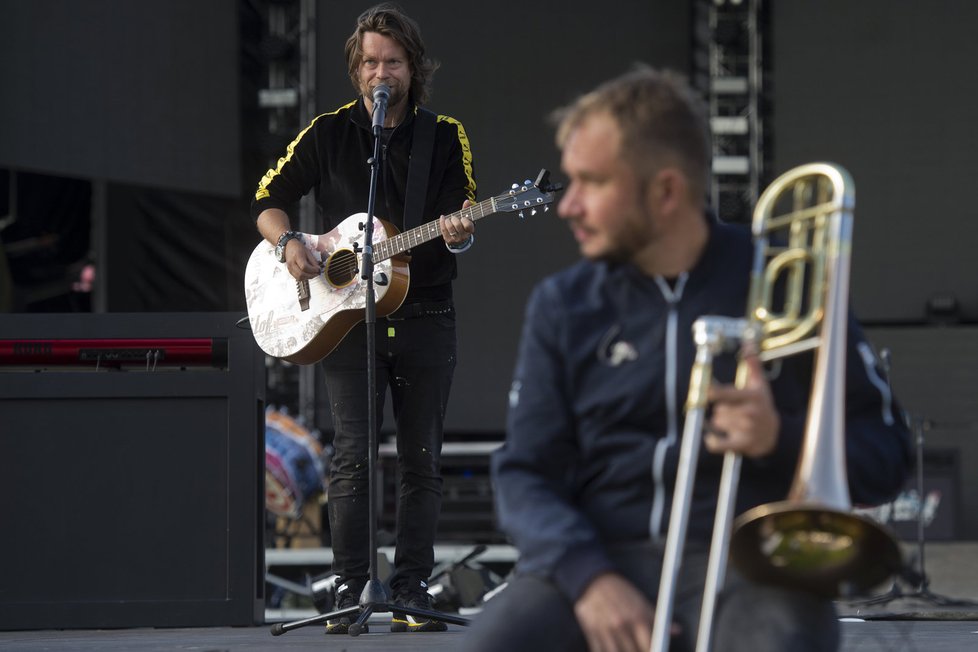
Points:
(917, 577)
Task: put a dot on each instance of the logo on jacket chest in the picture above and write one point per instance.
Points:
(615, 351)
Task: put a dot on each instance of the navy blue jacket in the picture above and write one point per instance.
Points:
(596, 413)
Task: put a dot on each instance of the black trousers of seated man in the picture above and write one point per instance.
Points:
(415, 360)
(532, 614)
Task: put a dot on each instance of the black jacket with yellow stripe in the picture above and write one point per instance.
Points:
(330, 157)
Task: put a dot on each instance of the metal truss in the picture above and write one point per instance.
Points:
(289, 100)
(728, 58)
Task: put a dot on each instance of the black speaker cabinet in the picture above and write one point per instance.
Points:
(131, 453)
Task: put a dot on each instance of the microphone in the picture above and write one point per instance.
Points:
(382, 93)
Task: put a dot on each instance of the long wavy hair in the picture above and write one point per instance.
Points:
(387, 19)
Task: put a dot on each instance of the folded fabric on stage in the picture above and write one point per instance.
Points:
(294, 470)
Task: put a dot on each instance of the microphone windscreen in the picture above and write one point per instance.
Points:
(381, 93)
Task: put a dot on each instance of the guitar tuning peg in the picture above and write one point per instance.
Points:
(522, 216)
(515, 186)
(527, 183)
(533, 212)
(546, 207)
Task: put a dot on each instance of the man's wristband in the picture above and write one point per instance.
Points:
(462, 246)
(284, 240)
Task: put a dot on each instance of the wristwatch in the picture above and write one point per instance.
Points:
(284, 240)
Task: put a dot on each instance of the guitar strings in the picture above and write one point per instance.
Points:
(431, 229)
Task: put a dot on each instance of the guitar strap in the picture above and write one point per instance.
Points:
(419, 167)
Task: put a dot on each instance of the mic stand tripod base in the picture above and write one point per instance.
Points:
(920, 592)
(374, 599)
(916, 577)
(369, 605)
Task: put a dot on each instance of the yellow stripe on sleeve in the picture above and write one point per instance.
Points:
(463, 140)
(262, 191)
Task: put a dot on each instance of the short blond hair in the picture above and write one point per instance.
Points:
(661, 119)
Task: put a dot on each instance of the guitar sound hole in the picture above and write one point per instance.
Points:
(341, 268)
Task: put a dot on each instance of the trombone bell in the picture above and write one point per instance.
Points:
(820, 550)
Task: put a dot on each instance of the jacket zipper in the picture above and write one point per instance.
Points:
(385, 172)
(869, 361)
(672, 297)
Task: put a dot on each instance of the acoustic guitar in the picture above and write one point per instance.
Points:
(303, 321)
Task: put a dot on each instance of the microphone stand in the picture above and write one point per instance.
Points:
(374, 598)
(915, 577)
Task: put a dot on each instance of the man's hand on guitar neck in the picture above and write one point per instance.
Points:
(457, 228)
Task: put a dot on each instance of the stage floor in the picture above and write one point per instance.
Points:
(905, 623)
(868, 636)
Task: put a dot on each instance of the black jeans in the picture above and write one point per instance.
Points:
(531, 614)
(415, 359)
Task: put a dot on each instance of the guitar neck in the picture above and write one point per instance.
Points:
(421, 234)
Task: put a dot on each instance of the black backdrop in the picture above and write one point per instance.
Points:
(888, 90)
(156, 100)
(138, 92)
(139, 109)
(505, 66)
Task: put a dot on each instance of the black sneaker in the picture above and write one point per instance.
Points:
(347, 595)
(417, 597)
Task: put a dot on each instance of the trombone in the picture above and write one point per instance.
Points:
(798, 301)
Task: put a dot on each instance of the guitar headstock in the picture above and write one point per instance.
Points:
(529, 195)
